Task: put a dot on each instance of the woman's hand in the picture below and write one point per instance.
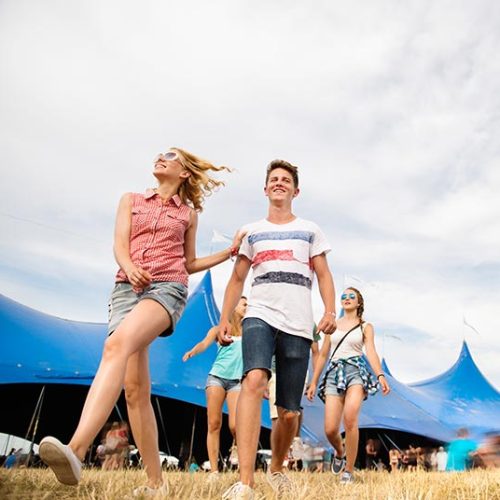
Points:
(238, 238)
(385, 385)
(311, 391)
(138, 277)
(187, 355)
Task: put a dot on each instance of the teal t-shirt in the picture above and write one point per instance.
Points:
(229, 361)
(458, 454)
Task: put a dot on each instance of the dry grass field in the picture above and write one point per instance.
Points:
(99, 485)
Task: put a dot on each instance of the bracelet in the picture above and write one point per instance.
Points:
(233, 252)
(380, 375)
(333, 313)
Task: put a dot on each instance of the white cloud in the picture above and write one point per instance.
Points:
(390, 109)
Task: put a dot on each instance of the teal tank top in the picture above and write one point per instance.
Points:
(229, 361)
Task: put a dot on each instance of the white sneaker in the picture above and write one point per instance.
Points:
(239, 491)
(148, 492)
(61, 459)
(346, 478)
(279, 482)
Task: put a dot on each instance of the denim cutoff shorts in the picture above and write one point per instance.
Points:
(352, 378)
(229, 385)
(259, 342)
(171, 295)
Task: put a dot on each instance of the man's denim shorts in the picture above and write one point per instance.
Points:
(171, 295)
(352, 378)
(260, 342)
(229, 385)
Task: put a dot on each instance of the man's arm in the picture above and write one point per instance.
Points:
(232, 295)
(327, 323)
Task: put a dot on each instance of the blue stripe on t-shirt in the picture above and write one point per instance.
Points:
(281, 235)
(283, 277)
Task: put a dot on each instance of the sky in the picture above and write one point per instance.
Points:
(390, 109)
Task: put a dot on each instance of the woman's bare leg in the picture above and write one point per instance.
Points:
(215, 401)
(352, 404)
(141, 414)
(334, 406)
(138, 329)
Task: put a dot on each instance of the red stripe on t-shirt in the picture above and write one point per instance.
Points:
(268, 255)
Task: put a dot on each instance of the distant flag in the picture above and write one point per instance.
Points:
(470, 326)
(218, 237)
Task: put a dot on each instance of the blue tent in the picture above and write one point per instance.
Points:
(41, 349)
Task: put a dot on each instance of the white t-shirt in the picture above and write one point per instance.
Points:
(282, 278)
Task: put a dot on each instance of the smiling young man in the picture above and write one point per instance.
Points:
(284, 252)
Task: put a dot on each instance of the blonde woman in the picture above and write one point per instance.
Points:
(223, 382)
(347, 381)
(155, 235)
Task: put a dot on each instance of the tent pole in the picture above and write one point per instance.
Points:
(35, 428)
(120, 416)
(162, 424)
(192, 436)
(382, 441)
(33, 417)
(392, 442)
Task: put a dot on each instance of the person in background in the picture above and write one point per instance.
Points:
(347, 381)
(460, 451)
(223, 383)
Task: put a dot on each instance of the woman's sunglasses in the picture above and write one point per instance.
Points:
(345, 296)
(168, 156)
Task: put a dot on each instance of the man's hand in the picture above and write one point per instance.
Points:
(224, 333)
(311, 391)
(327, 325)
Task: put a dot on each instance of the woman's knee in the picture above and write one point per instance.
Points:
(350, 423)
(332, 431)
(214, 424)
(113, 347)
(136, 393)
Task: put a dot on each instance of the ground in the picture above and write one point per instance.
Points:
(99, 485)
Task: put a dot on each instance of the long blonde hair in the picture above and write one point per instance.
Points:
(199, 184)
(236, 318)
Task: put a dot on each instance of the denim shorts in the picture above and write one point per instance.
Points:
(352, 378)
(229, 385)
(260, 342)
(171, 295)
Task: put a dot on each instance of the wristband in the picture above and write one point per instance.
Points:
(332, 313)
(233, 252)
(380, 375)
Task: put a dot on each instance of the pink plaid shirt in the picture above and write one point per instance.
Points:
(157, 237)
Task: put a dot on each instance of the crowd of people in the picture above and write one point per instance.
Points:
(264, 342)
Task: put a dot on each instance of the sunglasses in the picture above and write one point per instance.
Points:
(345, 296)
(168, 156)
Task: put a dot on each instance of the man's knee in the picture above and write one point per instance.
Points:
(256, 381)
(288, 417)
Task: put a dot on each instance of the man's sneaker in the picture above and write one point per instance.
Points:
(297, 448)
(239, 491)
(346, 478)
(338, 465)
(148, 492)
(279, 482)
(61, 459)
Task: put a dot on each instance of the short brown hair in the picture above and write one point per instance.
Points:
(285, 165)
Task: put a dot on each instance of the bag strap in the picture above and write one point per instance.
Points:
(343, 338)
